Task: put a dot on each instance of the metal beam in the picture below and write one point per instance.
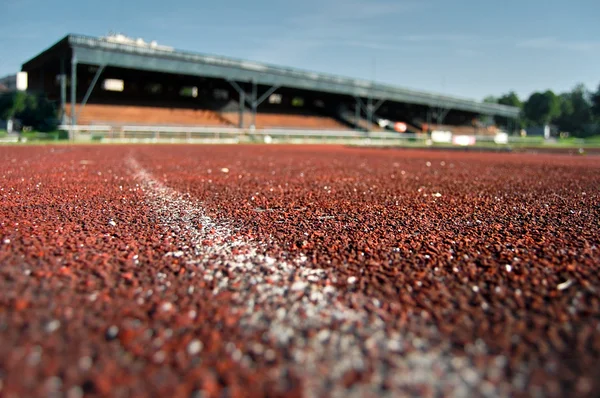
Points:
(444, 113)
(239, 90)
(90, 89)
(428, 120)
(362, 105)
(73, 95)
(235, 86)
(63, 92)
(369, 109)
(267, 94)
(372, 109)
(254, 104)
(356, 115)
(242, 108)
(369, 113)
(378, 105)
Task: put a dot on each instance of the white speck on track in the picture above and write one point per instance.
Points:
(329, 332)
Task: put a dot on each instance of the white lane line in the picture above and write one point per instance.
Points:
(301, 311)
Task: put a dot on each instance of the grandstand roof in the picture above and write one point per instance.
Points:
(152, 57)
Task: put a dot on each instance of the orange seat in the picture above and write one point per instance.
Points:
(145, 115)
(270, 120)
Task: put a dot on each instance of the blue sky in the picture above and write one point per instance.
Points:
(467, 48)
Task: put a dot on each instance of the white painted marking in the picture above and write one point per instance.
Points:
(282, 299)
(564, 285)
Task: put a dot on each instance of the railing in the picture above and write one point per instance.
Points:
(107, 133)
(225, 135)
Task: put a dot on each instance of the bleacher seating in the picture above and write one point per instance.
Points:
(361, 123)
(286, 121)
(146, 115)
(273, 120)
(95, 114)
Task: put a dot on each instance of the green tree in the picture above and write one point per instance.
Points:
(31, 109)
(11, 104)
(511, 99)
(564, 120)
(596, 104)
(575, 112)
(541, 108)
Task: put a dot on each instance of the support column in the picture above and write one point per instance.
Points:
(369, 110)
(356, 115)
(369, 113)
(73, 95)
(242, 106)
(375, 108)
(254, 103)
(365, 109)
(63, 92)
(428, 120)
(89, 90)
(440, 114)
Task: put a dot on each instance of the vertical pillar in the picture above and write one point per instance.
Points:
(254, 103)
(428, 120)
(369, 113)
(356, 115)
(63, 92)
(73, 95)
(242, 106)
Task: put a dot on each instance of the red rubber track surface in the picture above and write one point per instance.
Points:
(472, 250)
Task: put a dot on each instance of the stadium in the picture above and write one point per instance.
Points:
(145, 258)
(116, 81)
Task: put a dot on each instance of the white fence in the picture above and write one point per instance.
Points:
(193, 134)
(107, 133)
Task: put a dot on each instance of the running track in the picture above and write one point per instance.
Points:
(210, 271)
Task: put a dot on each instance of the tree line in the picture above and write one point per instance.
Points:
(33, 110)
(576, 112)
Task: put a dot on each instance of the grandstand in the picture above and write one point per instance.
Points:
(116, 81)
